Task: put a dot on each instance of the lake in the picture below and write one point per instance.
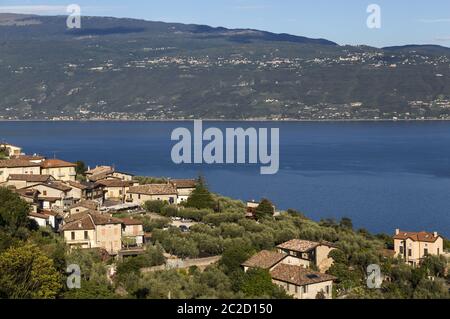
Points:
(383, 175)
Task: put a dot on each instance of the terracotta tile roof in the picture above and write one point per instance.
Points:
(299, 245)
(83, 185)
(55, 163)
(49, 199)
(153, 189)
(131, 221)
(184, 183)
(100, 170)
(37, 215)
(99, 177)
(264, 259)
(26, 192)
(417, 236)
(89, 204)
(298, 275)
(83, 223)
(28, 157)
(30, 178)
(56, 185)
(104, 219)
(115, 183)
(49, 213)
(12, 163)
(97, 218)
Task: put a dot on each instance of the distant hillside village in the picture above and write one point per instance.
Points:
(83, 209)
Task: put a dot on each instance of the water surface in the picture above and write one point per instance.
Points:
(382, 175)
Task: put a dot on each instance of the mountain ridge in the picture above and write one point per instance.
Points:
(121, 68)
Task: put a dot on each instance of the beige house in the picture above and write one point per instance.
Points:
(99, 170)
(298, 281)
(46, 218)
(115, 189)
(15, 166)
(41, 219)
(29, 195)
(306, 253)
(104, 172)
(53, 195)
(143, 193)
(10, 150)
(93, 230)
(27, 180)
(80, 233)
(133, 232)
(265, 259)
(184, 188)
(86, 191)
(83, 206)
(412, 247)
(302, 283)
(30, 158)
(123, 176)
(60, 170)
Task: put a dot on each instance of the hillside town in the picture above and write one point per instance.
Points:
(99, 209)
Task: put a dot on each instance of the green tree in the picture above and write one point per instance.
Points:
(91, 290)
(3, 154)
(13, 212)
(258, 283)
(435, 265)
(80, 169)
(446, 244)
(264, 210)
(201, 197)
(154, 206)
(25, 272)
(235, 254)
(346, 223)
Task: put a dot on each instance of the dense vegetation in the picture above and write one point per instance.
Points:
(161, 70)
(33, 261)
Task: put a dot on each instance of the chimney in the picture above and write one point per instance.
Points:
(397, 231)
(435, 234)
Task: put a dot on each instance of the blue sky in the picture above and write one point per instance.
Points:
(344, 21)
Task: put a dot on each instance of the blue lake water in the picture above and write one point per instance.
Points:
(382, 175)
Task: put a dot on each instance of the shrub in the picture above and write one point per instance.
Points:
(154, 206)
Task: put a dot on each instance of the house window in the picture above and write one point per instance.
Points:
(425, 251)
(44, 193)
(438, 252)
(328, 290)
(288, 287)
(72, 235)
(409, 252)
(401, 250)
(139, 196)
(296, 289)
(86, 235)
(305, 289)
